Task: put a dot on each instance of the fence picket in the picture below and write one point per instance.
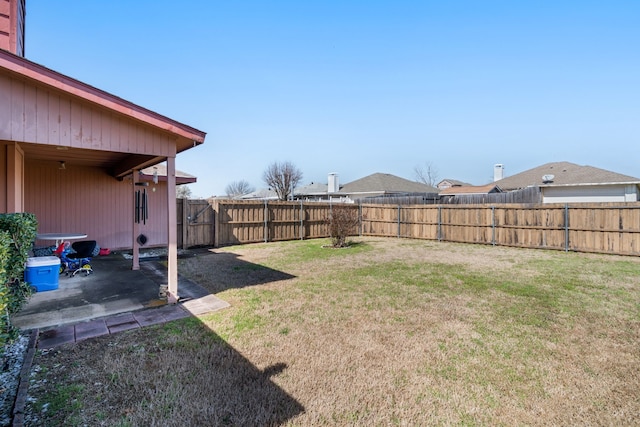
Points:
(604, 228)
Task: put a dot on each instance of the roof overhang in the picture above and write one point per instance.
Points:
(119, 164)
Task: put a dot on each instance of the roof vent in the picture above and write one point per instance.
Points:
(546, 179)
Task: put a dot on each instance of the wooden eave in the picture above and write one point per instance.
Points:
(187, 136)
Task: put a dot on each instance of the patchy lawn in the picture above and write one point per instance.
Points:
(389, 331)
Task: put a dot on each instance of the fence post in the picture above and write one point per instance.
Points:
(398, 221)
(266, 225)
(185, 222)
(493, 225)
(566, 227)
(439, 223)
(360, 216)
(215, 205)
(301, 220)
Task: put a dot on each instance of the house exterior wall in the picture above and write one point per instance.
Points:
(88, 200)
(37, 114)
(590, 194)
(12, 173)
(362, 195)
(4, 184)
(15, 176)
(444, 184)
(12, 14)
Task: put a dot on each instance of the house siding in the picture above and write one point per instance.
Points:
(12, 15)
(590, 194)
(88, 200)
(37, 114)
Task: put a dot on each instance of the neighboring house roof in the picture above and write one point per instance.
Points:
(386, 184)
(262, 194)
(161, 170)
(446, 183)
(471, 189)
(564, 173)
(313, 189)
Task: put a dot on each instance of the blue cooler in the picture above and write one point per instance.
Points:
(41, 273)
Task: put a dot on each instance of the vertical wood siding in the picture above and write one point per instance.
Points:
(12, 26)
(40, 115)
(88, 200)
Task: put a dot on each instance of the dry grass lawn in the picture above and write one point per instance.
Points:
(387, 332)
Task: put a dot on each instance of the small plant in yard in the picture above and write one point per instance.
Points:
(343, 222)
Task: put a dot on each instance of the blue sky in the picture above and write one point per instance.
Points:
(359, 87)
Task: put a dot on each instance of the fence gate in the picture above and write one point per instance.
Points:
(195, 223)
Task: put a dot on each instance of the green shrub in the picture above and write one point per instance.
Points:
(18, 232)
(4, 290)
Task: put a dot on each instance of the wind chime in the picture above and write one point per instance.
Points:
(141, 202)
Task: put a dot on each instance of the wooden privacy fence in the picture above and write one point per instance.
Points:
(603, 228)
(195, 223)
(613, 229)
(264, 221)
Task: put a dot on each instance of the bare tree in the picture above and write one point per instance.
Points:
(427, 174)
(183, 192)
(238, 188)
(282, 178)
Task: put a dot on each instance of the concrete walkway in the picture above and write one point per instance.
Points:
(65, 334)
(112, 299)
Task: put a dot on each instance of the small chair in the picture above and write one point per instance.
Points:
(80, 260)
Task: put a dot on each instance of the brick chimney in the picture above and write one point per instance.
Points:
(12, 17)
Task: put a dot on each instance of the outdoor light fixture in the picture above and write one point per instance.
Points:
(62, 166)
(155, 175)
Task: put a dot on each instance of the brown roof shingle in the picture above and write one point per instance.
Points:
(386, 183)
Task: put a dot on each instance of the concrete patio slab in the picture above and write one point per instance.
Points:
(204, 305)
(176, 315)
(121, 322)
(57, 337)
(112, 299)
(111, 289)
(149, 317)
(119, 319)
(91, 329)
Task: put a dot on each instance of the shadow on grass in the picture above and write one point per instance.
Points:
(180, 373)
(220, 271)
(219, 386)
